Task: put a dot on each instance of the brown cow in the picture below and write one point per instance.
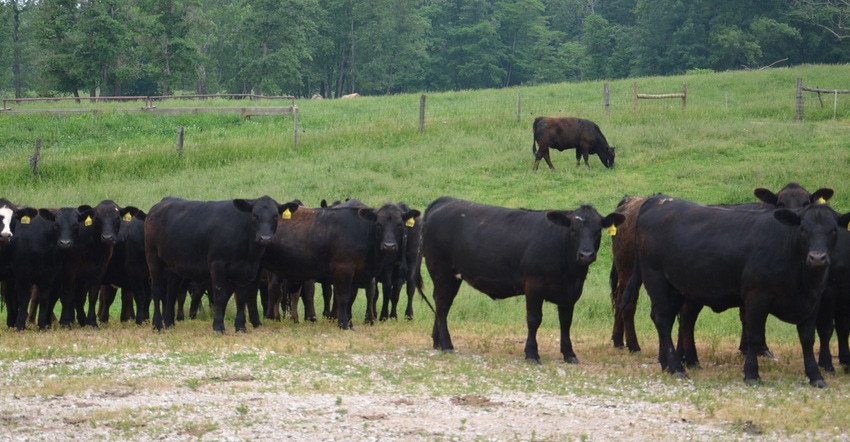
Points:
(791, 196)
(570, 133)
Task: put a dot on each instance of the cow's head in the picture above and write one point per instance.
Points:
(265, 213)
(792, 196)
(105, 219)
(7, 215)
(66, 224)
(390, 221)
(606, 155)
(585, 230)
(818, 228)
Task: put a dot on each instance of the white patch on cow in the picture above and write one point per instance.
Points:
(664, 200)
(6, 213)
(457, 276)
(578, 218)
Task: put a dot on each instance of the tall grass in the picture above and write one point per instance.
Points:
(472, 147)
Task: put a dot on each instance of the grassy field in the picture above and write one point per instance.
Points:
(738, 132)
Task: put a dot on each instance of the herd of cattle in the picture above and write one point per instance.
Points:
(787, 255)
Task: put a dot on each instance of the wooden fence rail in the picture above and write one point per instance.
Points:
(636, 96)
(834, 92)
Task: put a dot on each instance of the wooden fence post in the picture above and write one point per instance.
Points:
(422, 114)
(684, 95)
(34, 157)
(799, 98)
(179, 141)
(607, 92)
(295, 114)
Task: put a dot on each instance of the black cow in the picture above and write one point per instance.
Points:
(402, 269)
(7, 222)
(344, 244)
(36, 261)
(570, 133)
(7, 215)
(767, 262)
(128, 270)
(220, 243)
(86, 261)
(791, 196)
(834, 314)
(501, 252)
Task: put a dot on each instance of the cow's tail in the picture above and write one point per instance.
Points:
(631, 294)
(614, 281)
(417, 279)
(534, 135)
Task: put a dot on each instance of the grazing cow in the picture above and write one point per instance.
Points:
(767, 262)
(220, 243)
(128, 270)
(791, 196)
(344, 244)
(570, 133)
(501, 252)
(86, 261)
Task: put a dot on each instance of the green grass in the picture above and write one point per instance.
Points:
(473, 147)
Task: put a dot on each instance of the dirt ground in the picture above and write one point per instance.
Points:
(238, 407)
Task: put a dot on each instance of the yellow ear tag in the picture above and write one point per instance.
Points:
(25, 219)
(286, 214)
(821, 201)
(612, 230)
(88, 221)
(127, 217)
(410, 223)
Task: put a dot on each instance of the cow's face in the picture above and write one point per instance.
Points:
(105, 219)
(7, 214)
(585, 230)
(265, 214)
(390, 223)
(607, 156)
(66, 225)
(818, 232)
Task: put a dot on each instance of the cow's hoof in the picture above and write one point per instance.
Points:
(242, 330)
(258, 324)
(533, 361)
(571, 360)
(767, 354)
(449, 351)
(753, 382)
(634, 349)
(818, 383)
(681, 376)
(219, 332)
(828, 370)
(619, 345)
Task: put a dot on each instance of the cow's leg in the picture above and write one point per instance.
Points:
(565, 317)
(91, 314)
(628, 316)
(271, 307)
(10, 297)
(250, 298)
(158, 287)
(578, 157)
(241, 297)
(127, 301)
(343, 293)
(756, 318)
(328, 307)
(293, 298)
(308, 295)
(142, 298)
(371, 302)
(743, 346)
(398, 282)
(22, 296)
(825, 327)
(220, 294)
(33, 312)
(533, 318)
(666, 303)
(47, 298)
(686, 349)
(842, 329)
(445, 290)
(545, 153)
(107, 298)
(806, 332)
(386, 298)
(410, 287)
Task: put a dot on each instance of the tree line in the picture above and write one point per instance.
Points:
(336, 47)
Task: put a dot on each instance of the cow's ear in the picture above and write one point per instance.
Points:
(243, 205)
(367, 214)
(84, 208)
(287, 209)
(410, 216)
(844, 221)
(787, 217)
(31, 212)
(86, 217)
(766, 196)
(128, 213)
(558, 218)
(613, 219)
(140, 215)
(324, 204)
(821, 196)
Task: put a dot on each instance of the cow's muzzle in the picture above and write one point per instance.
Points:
(587, 258)
(817, 259)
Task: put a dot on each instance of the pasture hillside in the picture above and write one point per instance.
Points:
(737, 132)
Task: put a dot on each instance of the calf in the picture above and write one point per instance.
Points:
(402, 268)
(344, 244)
(768, 262)
(220, 243)
(570, 133)
(544, 255)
